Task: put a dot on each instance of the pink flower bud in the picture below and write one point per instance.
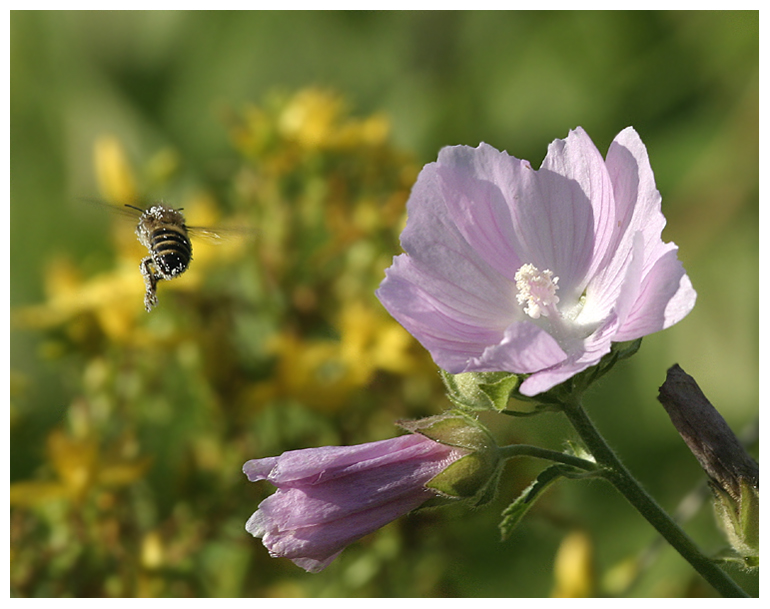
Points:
(331, 496)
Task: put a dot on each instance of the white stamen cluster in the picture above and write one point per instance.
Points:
(536, 289)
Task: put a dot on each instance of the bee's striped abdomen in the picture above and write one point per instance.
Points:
(163, 232)
(171, 250)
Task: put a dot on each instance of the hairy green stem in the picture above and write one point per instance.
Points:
(527, 450)
(617, 474)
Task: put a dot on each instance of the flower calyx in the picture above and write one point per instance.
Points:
(472, 477)
(475, 391)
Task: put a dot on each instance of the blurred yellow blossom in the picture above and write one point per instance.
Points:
(110, 297)
(323, 372)
(114, 174)
(573, 567)
(619, 578)
(316, 118)
(152, 550)
(80, 467)
(371, 340)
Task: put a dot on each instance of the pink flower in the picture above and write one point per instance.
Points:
(535, 272)
(331, 496)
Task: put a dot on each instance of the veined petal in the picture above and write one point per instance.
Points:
(637, 197)
(665, 298)
(324, 542)
(315, 465)
(368, 487)
(665, 295)
(549, 378)
(436, 246)
(524, 348)
(617, 287)
(454, 320)
(582, 202)
(469, 179)
(328, 497)
(592, 350)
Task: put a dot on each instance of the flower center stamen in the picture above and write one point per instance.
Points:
(536, 289)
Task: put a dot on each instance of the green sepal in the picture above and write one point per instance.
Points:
(454, 429)
(471, 475)
(618, 352)
(489, 491)
(469, 493)
(750, 522)
(513, 514)
(740, 521)
(477, 391)
(463, 478)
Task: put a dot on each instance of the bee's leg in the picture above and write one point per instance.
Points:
(150, 284)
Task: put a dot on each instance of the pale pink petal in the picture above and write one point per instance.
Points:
(594, 348)
(638, 199)
(665, 298)
(477, 206)
(524, 348)
(455, 322)
(307, 465)
(585, 204)
(438, 253)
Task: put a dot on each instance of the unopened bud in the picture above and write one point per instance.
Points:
(734, 474)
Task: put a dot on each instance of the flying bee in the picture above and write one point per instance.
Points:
(162, 230)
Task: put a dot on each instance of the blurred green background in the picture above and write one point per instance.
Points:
(306, 130)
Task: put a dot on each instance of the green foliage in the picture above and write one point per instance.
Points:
(513, 514)
(128, 430)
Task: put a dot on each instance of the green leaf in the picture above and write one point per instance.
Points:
(513, 514)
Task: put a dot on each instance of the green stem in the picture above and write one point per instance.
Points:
(527, 450)
(617, 474)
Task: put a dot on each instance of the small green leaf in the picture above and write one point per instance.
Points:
(513, 514)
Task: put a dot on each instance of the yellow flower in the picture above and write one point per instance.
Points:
(113, 172)
(323, 372)
(573, 567)
(80, 467)
(108, 296)
(317, 119)
(371, 340)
